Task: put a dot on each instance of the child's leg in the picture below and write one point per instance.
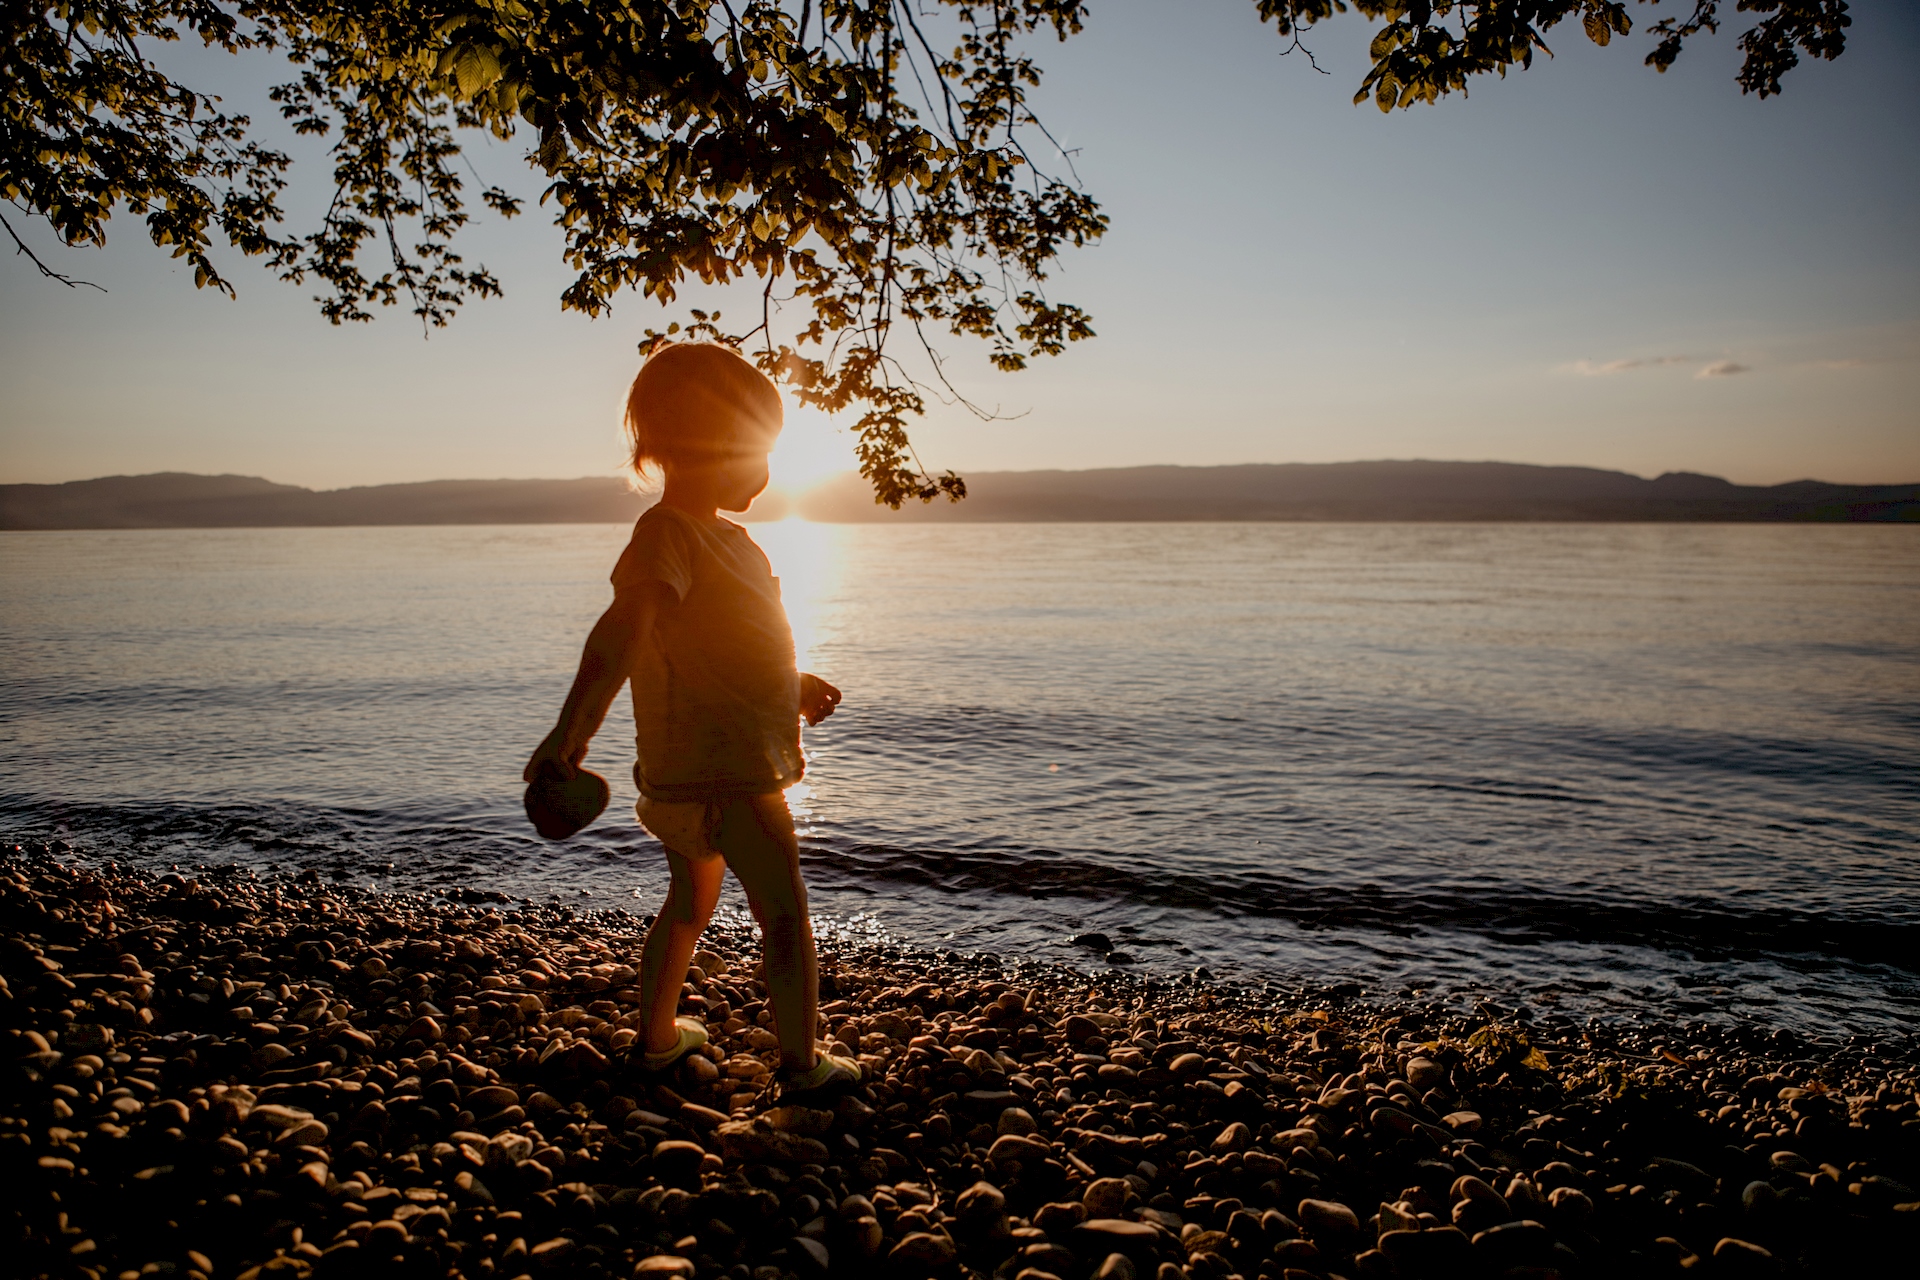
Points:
(758, 840)
(691, 896)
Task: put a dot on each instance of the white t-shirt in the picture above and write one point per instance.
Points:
(716, 695)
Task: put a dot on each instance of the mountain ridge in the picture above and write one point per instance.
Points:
(1395, 490)
(1390, 490)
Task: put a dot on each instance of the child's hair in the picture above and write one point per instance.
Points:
(691, 398)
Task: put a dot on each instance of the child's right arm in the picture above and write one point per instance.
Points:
(611, 649)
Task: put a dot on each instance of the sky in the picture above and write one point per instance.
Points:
(1585, 263)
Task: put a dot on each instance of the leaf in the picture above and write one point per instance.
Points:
(476, 67)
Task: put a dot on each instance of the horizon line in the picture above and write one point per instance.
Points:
(852, 474)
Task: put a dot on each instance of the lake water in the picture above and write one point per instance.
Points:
(1626, 771)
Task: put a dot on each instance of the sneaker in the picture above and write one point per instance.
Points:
(693, 1034)
(831, 1074)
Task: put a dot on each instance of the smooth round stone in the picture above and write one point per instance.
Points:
(1235, 1137)
(1052, 1258)
(1515, 1243)
(1016, 1120)
(676, 1159)
(990, 1101)
(1105, 1197)
(1736, 1257)
(1014, 1146)
(1328, 1218)
(1079, 1028)
(808, 1255)
(921, 1249)
(980, 1201)
(1098, 1237)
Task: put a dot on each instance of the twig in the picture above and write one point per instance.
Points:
(19, 246)
(1301, 48)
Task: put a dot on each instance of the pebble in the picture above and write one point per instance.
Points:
(1105, 1197)
(1234, 1137)
(1079, 1029)
(1016, 1120)
(1328, 1218)
(391, 1077)
(921, 1249)
(810, 1257)
(981, 1202)
(1735, 1257)
(1014, 1146)
(1098, 1237)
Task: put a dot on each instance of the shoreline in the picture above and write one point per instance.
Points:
(235, 1077)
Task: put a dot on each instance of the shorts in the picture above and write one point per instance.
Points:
(691, 828)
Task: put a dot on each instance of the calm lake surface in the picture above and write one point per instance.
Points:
(1626, 771)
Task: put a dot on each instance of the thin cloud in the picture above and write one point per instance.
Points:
(1588, 369)
(1723, 369)
(1842, 364)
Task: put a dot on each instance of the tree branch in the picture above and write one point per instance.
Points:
(19, 246)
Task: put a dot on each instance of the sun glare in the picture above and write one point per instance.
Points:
(811, 450)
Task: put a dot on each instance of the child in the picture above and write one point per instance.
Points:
(697, 624)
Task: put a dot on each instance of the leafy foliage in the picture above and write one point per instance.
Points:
(872, 164)
(91, 125)
(1426, 49)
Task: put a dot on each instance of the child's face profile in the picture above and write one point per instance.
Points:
(735, 474)
(742, 477)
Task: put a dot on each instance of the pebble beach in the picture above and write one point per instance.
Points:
(218, 1076)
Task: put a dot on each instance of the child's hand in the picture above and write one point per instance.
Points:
(556, 750)
(817, 698)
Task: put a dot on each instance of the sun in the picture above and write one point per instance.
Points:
(811, 449)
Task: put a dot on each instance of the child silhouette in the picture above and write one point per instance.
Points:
(697, 625)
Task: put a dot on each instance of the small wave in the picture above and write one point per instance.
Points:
(427, 849)
(1511, 913)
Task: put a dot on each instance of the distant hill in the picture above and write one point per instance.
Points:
(1361, 491)
(175, 500)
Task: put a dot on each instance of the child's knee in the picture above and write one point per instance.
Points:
(691, 895)
(782, 924)
(682, 907)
